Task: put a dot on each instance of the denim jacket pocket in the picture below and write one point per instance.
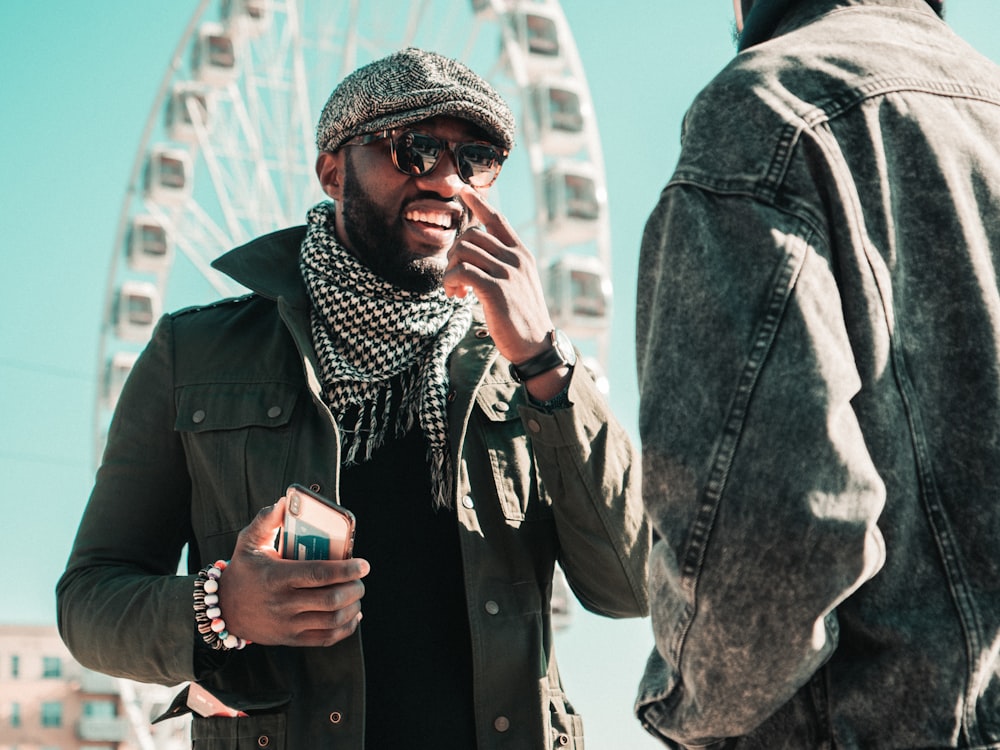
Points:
(509, 451)
(237, 439)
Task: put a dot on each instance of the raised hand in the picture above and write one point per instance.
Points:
(491, 260)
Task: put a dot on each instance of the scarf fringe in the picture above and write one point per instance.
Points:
(441, 479)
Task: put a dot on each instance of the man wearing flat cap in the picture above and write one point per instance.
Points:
(396, 356)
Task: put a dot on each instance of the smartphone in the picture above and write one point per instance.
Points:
(316, 528)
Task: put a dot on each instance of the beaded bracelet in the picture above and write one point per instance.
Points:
(207, 613)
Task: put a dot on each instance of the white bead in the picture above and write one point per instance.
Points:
(211, 586)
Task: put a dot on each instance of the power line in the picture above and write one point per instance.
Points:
(60, 458)
(36, 367)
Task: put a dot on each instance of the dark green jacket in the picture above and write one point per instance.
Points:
(222, 412)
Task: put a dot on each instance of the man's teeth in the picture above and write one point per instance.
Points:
(430, 217)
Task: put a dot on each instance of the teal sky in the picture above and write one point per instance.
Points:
(78, 81)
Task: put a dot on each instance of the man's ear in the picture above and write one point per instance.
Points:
(330, 171)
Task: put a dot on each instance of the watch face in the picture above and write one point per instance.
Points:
(564, 346)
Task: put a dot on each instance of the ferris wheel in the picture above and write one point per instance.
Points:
(227, 152)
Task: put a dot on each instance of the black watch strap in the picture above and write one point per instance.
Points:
(549, 359)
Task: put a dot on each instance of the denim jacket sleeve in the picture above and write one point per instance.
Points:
(121, 608)
(756, 475)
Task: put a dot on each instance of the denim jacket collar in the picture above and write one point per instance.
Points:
(770, 18)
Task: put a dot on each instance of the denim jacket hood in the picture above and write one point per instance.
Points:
(819, 366)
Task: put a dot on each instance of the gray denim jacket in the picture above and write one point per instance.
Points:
(818, 341)
(222, 412)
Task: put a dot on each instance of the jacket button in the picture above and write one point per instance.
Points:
(534, 426)
(501, 406)
(336, 717)
(492, 607)
(198, 417)
(467, 502)
(263, 741)
(274, 412)
(314, 487)
(482, 333)
(563, 740)
(501, 723)
(452, 395)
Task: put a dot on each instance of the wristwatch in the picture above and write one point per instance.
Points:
(560, 353)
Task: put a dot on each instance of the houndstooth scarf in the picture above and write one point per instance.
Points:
(382, 351)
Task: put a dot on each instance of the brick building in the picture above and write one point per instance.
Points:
(49, 702)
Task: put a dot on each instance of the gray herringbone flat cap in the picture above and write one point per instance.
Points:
(406, 87)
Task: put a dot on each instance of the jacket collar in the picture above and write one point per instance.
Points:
(269, 266)
(770, 18)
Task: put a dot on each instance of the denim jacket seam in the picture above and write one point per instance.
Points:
(701, 528)
(944, 538)
(755, 189)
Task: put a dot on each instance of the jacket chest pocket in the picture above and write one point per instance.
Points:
(237, 438)
(512, 463)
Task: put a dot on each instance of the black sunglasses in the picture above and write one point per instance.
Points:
(416, 153)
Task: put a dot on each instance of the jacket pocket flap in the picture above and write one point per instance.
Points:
(233, 406)
(264, 704)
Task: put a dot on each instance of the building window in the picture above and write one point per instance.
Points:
(15, 714)
(15, 666)
(51, 666)
(100, 709)
(51, 714)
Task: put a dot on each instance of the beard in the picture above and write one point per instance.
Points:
(378, 242)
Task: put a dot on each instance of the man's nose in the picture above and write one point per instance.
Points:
(443, 179)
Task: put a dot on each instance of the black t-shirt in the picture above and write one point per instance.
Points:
(415, 630)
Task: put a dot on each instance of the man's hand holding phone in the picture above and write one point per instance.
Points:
(305, 602)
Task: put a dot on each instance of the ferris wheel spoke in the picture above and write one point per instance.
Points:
(225, 184)
(417, 10)
(197, 231)
(300, 104)
(473, 41)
